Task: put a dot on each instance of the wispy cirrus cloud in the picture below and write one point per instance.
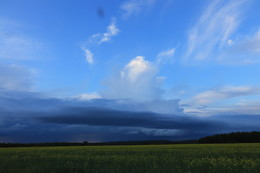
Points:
(213, 30)
(165, 56)
(132, 7)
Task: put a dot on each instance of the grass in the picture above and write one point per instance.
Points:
(123, 159)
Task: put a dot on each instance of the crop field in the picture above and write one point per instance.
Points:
(123, 159)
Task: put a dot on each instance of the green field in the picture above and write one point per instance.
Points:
(120, 159)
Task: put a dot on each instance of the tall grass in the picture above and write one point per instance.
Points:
(133, 159)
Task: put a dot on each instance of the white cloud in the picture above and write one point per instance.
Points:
(225, 92)
(88, 55)
(165, 56)
(131, 7)
(137, 80)
(213, 30)
(98, 38)
(87, 96)
(112, 31)
(135, 68)
(14, 77)
(224, 100)
(246, 107)
(14, 44)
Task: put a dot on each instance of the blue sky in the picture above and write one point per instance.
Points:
(103, 61)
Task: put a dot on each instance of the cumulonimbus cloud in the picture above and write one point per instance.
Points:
(137, 80)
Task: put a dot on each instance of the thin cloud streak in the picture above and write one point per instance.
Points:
(87, 96)
(225, 92)
(165, 56)
(132, 7)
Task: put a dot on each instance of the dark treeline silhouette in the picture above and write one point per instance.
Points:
(85, 143)
(236, 137)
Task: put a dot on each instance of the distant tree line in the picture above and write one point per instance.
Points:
(236, 137)
(85, 143)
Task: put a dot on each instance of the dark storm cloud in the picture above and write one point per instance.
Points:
(32, 101)
(32, 117)
(107, 117)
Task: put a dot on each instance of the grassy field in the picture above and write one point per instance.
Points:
(123, 159)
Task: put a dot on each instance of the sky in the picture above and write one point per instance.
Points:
(125, 70)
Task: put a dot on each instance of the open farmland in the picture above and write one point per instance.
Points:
(147, 158)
